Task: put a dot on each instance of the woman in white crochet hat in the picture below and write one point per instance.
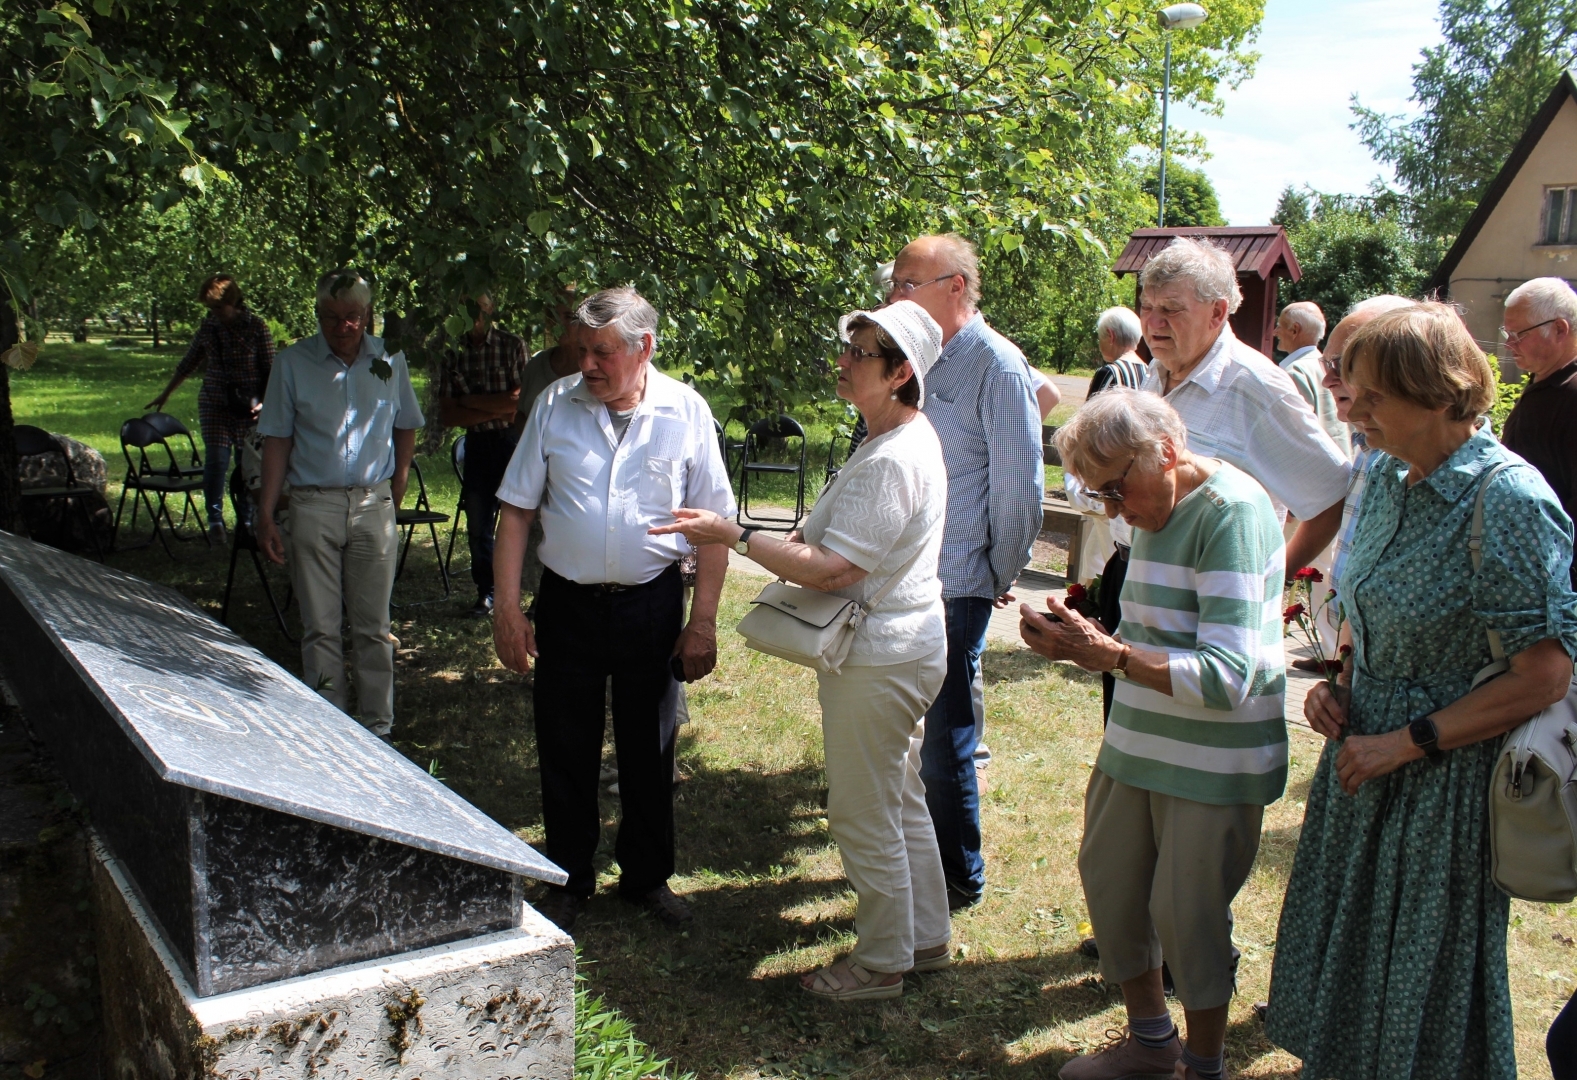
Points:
(882, 516)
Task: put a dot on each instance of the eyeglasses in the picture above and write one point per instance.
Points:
(1113, 492)
(1511, 337)
(328, 318)
(904, 288)
(1332, 365)
(851, 349)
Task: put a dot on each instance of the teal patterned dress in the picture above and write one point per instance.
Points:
(1391, 954)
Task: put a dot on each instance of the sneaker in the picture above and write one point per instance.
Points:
(1125, 1056)
(957, 899)
(216, 534)
(483, 608)
(664, 906)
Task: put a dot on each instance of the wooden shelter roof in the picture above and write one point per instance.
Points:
(1261, 250)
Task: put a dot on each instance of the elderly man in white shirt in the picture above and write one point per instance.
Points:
(339, 422)
(1299, 329)
(1237, 405)
(605, 457)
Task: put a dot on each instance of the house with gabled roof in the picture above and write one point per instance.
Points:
(1526, 224)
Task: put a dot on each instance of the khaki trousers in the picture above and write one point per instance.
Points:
(873, 725)
(1159, 876)
(342, 547)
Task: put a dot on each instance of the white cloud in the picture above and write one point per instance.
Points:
(1289, 123)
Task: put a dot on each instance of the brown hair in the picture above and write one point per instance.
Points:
(217, 290)
(892, 356)
(1423, 354)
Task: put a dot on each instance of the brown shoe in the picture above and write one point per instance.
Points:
(664, 906)
(560, 908)
(1123, 1057)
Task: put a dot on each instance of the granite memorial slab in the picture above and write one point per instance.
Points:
(268, 834)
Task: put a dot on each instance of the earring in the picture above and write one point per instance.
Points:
(893, 396)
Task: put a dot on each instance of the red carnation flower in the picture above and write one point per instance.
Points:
(1293, 612)
(1344, 650)
(1308, 573)
(1077, 592)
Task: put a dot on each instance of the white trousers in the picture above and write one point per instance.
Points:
(342, 547)
(873, 724)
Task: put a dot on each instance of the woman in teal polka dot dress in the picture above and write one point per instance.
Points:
(1391, 954)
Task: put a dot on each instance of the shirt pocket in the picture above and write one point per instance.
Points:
(661, 485)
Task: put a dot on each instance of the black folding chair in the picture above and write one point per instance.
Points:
(31, 441)
(457, 463)
(778, 428)
(836, 461)
(242, 538)
(153, 480)
(421, 513)
(172, 429)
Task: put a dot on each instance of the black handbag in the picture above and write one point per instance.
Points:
(240, 398)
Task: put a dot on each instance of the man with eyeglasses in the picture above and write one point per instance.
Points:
(1540, 332)
(339, 422)
(979, 400)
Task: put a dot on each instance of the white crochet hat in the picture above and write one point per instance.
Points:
(912, 327)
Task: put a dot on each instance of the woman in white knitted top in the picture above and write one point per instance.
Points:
(882, 516)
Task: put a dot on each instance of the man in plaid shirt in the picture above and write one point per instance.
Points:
(478, 391)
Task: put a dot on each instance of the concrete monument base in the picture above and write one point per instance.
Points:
(496, 1007)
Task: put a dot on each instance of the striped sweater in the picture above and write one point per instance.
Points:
(1207, 590)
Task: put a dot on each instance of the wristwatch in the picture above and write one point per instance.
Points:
(1120, 669)
(1426, 737)
(742, 545)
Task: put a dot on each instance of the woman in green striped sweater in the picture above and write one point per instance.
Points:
(1196, 745)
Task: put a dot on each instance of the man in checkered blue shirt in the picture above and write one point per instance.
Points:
(979, 400)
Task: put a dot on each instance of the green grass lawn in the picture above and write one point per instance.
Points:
(755, 857)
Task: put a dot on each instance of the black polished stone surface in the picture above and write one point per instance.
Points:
(269, 833)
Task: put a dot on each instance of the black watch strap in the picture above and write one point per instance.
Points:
(1426, 737)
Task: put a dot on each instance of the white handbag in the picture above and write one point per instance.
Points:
(1533, 789)
(809, 627)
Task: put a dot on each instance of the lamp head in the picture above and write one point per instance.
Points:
(1182, 16)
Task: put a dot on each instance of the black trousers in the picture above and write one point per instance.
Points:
(1112, 578)
(487, 455)
(584, 635)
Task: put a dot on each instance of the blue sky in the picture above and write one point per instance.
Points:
(1288, 124)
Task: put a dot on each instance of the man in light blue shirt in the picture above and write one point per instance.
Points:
(979, 400)
(339, 421)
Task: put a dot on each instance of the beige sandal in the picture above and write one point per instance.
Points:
(932, 960)
(826, 983)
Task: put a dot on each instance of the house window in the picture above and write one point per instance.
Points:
(1560, 216)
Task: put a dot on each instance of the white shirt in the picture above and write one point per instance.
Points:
(597, 494)
(1241, 408)
(1295, 355)
(888, 506)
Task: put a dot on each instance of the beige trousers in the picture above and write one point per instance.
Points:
(342, 547)
(1159, 876)
(873, 724)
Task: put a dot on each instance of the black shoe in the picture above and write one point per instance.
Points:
(664, 906)
(957, 899)
(1087, 947)
(560, 908)
(483, 608)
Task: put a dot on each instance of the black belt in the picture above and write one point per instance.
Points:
(611, 588)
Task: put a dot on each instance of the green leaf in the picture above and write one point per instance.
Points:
(457, 324)
(45, 89)
(540, 222)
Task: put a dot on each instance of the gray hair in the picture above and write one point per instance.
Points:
(958, 256)
(1123, 325)
(1306, 315)
(1203, 265)
(622, 308)
(1547, 298)
(1118, 424)
(344, 284)
(1379, 305)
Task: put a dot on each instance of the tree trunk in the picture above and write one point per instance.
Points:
(155, 322)
(10, 483)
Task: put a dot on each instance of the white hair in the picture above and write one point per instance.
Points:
(958, 256)
(624, 309)
(1203, 265)
(1306, 315)
(1379, 305)
(1123, 325)
(1547, 298)
(344, 284)
(1118, 424)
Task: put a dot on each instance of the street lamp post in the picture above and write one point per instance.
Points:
(1174, 17)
